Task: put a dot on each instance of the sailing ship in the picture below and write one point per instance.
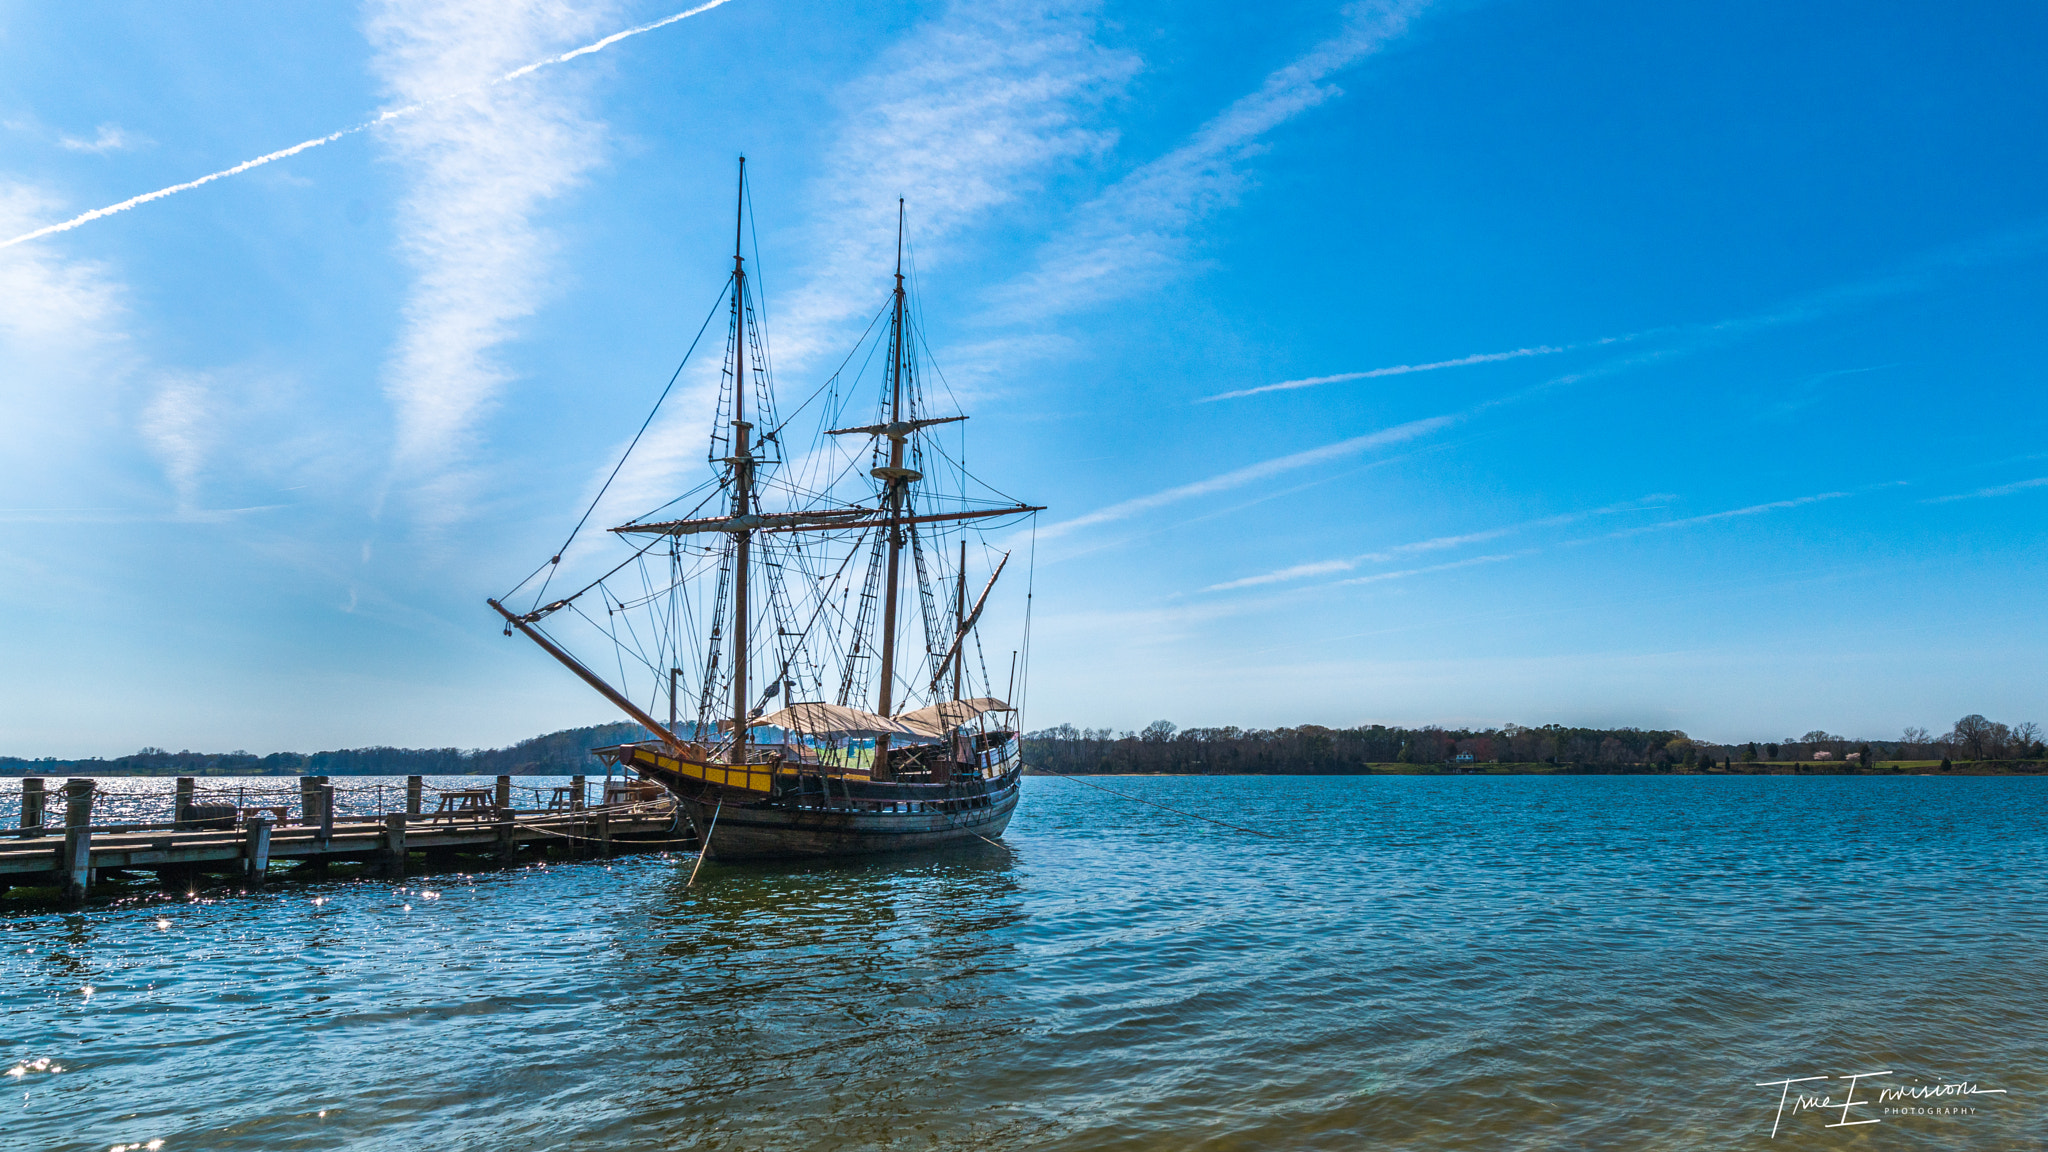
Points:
(786, 579)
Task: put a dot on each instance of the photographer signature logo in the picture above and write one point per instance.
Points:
(1893, 1100)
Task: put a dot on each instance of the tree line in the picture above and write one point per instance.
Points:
(1160, 747)
(563, 753)
(1163, 747)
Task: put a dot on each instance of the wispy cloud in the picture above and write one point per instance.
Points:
(1683, 341)
(964, 115)
(1404, 574)
(110, 138)
(1434, 544)
(1238, 478)
(382, 118)
(481, 168)
(179, 428)
(1664, 526)
(66, 362)
(45, 298)
(1987, 493)
(1396, 370)
(1730, 514)
(1134, 233)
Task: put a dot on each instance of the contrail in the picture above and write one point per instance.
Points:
(395, 113)
(1401, 370)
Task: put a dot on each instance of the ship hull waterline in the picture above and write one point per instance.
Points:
(750, 826)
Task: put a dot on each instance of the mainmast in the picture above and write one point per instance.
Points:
(743, 479)
(960, 619)
(897, 478)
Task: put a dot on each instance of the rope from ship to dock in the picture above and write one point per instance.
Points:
(1156, 804)
(704, 849)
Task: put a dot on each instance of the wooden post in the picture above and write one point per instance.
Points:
(507, 845)
(256, 848)
(604, 833)
(326, 813)
(183, 805)
(394, 844)
(577, 786)
(31, 806)
(76, 859)
(413, 785)
(309, 798)
(504, 793)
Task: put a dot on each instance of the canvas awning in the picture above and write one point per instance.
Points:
(935, 720)
(819, 719)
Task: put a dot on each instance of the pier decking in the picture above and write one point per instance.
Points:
(244, 842)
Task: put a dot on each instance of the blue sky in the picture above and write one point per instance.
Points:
(1669, 365)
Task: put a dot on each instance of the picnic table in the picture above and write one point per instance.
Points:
(465, 803)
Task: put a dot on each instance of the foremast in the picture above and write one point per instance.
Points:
(897, 479)
(743, 482)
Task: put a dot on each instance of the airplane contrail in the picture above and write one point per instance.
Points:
(317, 141)
(1396, 370)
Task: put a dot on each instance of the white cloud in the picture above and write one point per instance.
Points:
(1434, 544)
(45, 299)
(1394, 370)
(964, 115)
(65, 365)
(1239, 477)
(1733, 513)
(1134, 233)
(1987, 493)
(384, 117)
(1433, 568)
(481, 169)
(180, 429)
(110, 138)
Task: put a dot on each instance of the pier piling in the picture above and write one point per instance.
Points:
(76, 860)
(181, 808)
(504, 793)
(413, 786)
(31, 806)
(256, 849)
(394, 844)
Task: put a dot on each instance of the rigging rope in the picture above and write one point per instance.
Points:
(627, 454)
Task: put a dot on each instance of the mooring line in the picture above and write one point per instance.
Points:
(705, 848)
(595, 839)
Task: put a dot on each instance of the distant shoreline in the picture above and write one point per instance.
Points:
(1781, 768)
(1778, 768)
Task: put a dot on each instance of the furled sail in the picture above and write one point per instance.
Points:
(934, 721)
(818, 719)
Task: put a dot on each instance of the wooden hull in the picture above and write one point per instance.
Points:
(762, 832)
(797, 816)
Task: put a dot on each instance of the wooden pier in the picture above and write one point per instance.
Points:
(244, 842)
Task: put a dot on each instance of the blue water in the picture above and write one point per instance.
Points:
(1405, 962)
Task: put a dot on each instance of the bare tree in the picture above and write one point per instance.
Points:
(2026, 739)
(1974, 736)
